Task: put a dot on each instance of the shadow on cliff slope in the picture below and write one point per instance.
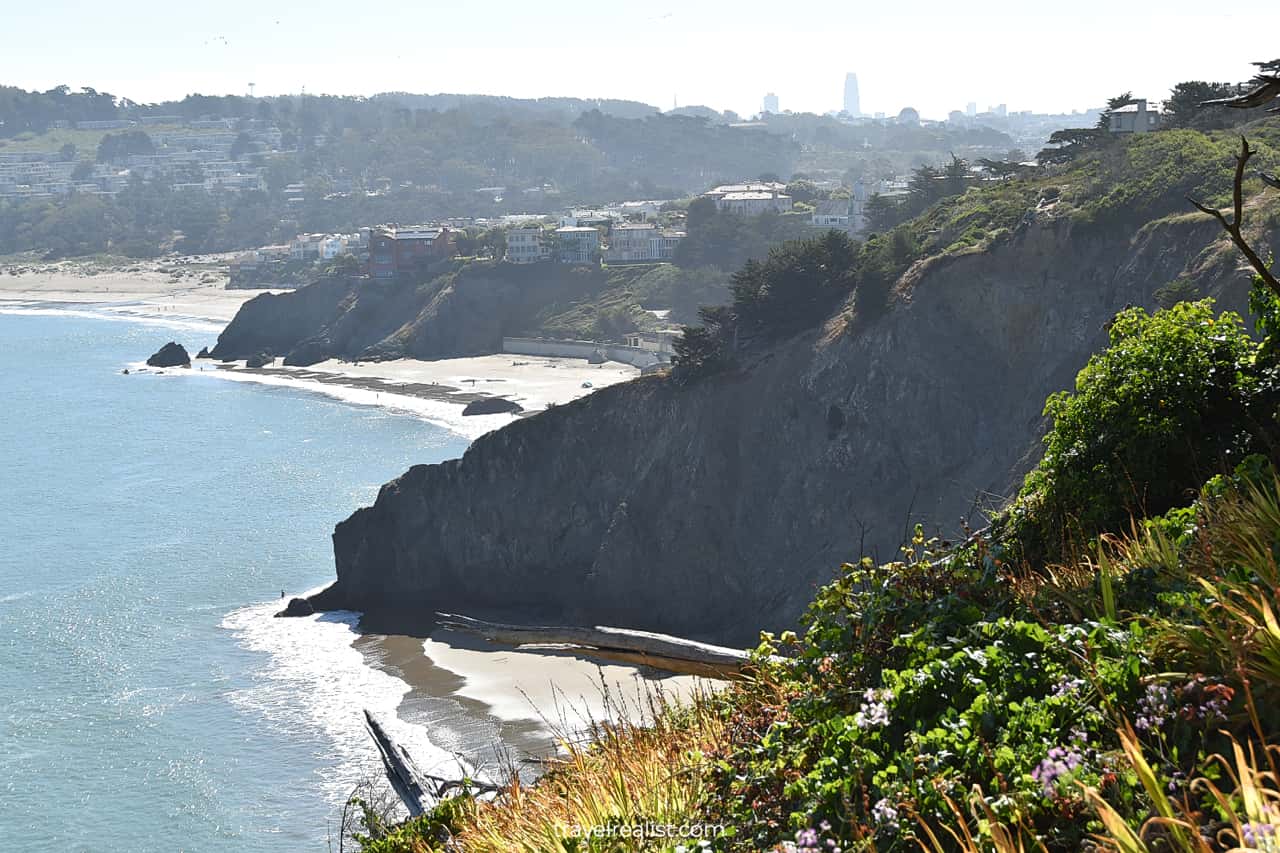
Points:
(712, 509)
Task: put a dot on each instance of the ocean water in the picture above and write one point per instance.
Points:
(148, 524)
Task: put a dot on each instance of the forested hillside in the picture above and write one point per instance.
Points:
(333, 164)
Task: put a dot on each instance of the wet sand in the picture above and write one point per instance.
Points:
(501, 707)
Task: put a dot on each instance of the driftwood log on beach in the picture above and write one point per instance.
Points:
(662, 651)
(417, 790)
(403, 774)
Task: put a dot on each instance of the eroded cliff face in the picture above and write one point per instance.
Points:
(714, 510)
(451, 315)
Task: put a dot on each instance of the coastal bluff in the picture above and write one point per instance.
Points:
(713, 509)
(457, 312)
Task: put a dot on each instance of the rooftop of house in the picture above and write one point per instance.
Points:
(757, 186)
(834, 207)
(1140, 106)
(410, 232)
(575, 229)
(753, 196)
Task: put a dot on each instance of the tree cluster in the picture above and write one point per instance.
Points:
(795, 287)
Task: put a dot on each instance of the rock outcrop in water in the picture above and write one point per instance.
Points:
(713, 510)
(296, 607)
(172, 354)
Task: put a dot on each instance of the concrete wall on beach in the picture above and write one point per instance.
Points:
(562, 348)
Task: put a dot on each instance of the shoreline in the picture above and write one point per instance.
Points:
(504, 700)
(191, 288)
(465, 691)
(435, 391)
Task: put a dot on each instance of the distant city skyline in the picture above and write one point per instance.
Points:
(932, 57)
(852, 105)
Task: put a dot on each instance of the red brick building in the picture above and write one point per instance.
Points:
(395, 249)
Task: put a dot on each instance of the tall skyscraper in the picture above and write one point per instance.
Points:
(851, 104)
(771, 103)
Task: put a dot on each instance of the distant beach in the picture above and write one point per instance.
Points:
(187, 287)
(190, 296)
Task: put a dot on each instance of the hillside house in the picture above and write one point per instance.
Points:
(395, 249)
(832, 214)
(526, 246)
(1133, 118)
(578, 245)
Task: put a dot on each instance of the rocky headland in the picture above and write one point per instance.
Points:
(712, 509)
(454, 313)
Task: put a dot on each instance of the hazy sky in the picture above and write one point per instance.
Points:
(935, 56)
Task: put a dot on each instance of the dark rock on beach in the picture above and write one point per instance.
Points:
(262, 359)
(309, 352)
(492, 406)
(297, 607)
(170, 355)
(204, 353)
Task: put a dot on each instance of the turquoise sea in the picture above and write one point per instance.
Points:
(148, 524)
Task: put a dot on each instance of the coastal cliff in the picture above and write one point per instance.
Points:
(454, 313)
(713, 509)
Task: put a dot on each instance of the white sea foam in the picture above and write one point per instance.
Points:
(314, 680)
(439, 412)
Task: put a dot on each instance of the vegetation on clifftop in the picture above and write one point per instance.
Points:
(1119, 188)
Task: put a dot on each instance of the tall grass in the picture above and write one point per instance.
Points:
(624, 774)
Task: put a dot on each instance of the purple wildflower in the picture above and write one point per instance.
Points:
(883, 812)
(1060, 762)
(1204, 700)
(1066, 686)
(1153, 708)
(1259, 836)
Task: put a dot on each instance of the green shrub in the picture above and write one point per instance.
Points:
(913, 682)
(1176, 398)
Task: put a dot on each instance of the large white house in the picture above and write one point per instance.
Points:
(641, 243)
(662, 342)
(753, 203)
(578, 245)
(754, 187)
(526, 246)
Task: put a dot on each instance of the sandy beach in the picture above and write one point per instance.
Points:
(439, 391)
(465, 691)
(191, 289)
